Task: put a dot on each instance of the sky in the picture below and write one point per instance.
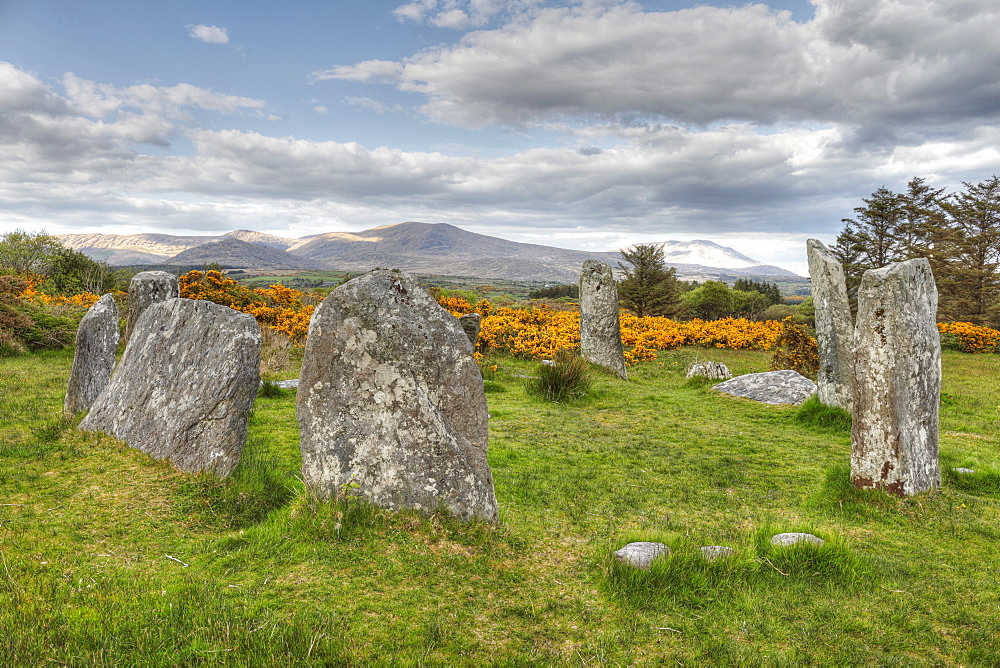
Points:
(592, 124)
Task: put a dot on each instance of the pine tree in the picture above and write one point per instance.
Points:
(975, 248)
(649, 287)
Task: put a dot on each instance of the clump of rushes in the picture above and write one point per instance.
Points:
(567, 378)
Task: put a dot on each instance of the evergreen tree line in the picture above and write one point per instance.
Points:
(958, 233)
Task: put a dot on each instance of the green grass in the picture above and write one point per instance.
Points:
(108, 557)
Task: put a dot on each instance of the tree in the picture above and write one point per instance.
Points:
(24, 253)
(870, 240)
(710, 301)
(66, 271)
(974, 287)
(649, 287)
(769, 290)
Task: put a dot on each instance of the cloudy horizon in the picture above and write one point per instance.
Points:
(590, 125)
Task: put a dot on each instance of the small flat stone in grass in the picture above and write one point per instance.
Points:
(641, 554)
(965, 471)
(713, 552)
(786, 539)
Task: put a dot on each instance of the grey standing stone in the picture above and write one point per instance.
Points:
(787, 539)
(390, 398)
(145, 289)
(641, 554)
(834, 328)
(600, 330)
(185, 385)
(94, 360)
(713, 370)
(471, 322)
(770, 387)
(897, 380)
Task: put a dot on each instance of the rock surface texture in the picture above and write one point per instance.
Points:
(390, 398)
(713, 370)
(770, 387)
(794, 538)
(185, 385)
(471, 323)
(94, 360)
(641, 554)
(897, 380)
(600, 330)
(834, 328)
(145, 289)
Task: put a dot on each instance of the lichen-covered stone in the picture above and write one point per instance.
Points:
(145, 289)
(641, 554)
(770, 387)
(794, 538)
(600, 330)
(390, 398)
(94, 360)
(713, 370)
(897, 380)
(471, 323)
(834, 328)
(185, 385)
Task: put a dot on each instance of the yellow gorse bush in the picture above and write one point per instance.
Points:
(278, 307)
(972, 338)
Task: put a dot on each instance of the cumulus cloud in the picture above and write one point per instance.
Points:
(209, 34)
(861, 63)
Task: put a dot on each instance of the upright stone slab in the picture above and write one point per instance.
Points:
(145, 289)
(471, 323)
(390, 398)
(897, 380)
(185, 385)
(600, 331)
(96, 342)
(834, 329)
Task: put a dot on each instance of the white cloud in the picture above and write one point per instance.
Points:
(462, 14)
(880, 66)
(209, 34)
(373, 105)
(320, 109)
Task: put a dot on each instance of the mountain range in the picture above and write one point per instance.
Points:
(422, 248)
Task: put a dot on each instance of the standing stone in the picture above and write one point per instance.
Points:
(897, 380)
(145, 289)
(834, 329)
(96, 342)
(391, 400)
(600, 331)
(185, 385)
(471, 323)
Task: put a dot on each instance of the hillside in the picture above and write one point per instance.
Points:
(426, 248)
(233, 253)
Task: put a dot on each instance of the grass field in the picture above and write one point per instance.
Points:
(110, 558)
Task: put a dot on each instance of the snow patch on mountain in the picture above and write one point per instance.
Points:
(707, 254)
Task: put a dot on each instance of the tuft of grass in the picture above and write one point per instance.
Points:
(567, 379)
(833, 419)
(270, 390)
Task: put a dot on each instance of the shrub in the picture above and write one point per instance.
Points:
(566, 379)
(795, 350)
